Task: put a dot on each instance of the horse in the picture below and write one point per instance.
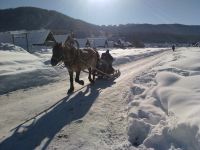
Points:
(75, 60)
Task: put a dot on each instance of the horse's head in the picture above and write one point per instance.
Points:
(57, 54)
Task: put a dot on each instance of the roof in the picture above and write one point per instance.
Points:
(81, 42)
(38, 36)
(18, 32)
(61, 38)
(34, 37)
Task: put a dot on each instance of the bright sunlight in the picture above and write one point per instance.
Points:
(99, 2)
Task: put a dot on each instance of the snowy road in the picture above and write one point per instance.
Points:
(93, 117)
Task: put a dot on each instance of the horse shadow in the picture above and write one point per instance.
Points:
(48, 125)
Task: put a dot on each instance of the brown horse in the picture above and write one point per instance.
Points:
(75, 60)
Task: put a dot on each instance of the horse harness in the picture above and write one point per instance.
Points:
(76, 56)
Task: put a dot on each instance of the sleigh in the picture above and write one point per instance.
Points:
(106, 71)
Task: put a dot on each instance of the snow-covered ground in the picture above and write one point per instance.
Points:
(164, 104)
(154, 104)
(20, 69)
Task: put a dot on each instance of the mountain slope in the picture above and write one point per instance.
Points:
(156, 33)
(31, 18)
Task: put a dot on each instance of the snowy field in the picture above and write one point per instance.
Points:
(153, 105)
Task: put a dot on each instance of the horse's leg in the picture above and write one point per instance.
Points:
(89, 77)
(81, 82)
(93, 74)
(71, 82)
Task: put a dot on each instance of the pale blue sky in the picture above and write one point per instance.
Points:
(120, 11)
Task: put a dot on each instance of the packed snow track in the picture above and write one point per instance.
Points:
(93, 117)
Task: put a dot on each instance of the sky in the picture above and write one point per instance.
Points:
(115, 12)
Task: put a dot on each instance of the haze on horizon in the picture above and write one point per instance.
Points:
(114, 12)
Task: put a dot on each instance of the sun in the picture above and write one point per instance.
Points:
(98, 1)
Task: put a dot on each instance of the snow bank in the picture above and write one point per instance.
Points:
(10, 47)
(20, 69)
(165, 115)
(123, 56)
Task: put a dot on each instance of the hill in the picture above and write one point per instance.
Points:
(156, 33)
(30, 18)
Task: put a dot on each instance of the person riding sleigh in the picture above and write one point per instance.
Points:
(107, 61)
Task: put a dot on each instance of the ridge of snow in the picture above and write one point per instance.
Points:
(165, 115)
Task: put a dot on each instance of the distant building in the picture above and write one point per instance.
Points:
(111, 44)
(119, 44)
(28, 39)
(82, 42)
(128, 44)
(99, 42)
(197, 44)
(94, 42)
(41, 38)
(6, 37)
(60, 38)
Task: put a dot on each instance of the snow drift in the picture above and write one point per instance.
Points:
(20, 69)
(165, 114)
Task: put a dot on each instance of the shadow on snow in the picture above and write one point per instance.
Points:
(48, 125)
